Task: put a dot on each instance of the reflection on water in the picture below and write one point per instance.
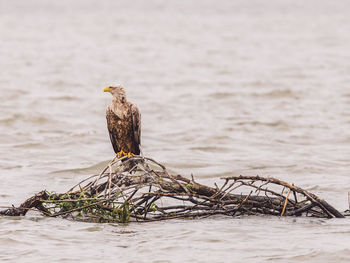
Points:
(229, 88)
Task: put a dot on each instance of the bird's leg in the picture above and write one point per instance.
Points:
(130, 154)
(121, 154)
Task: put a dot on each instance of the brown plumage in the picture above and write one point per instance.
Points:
(123, 122)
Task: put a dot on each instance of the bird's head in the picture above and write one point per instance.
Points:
(117, 92)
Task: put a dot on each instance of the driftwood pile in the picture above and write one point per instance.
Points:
(140, 189)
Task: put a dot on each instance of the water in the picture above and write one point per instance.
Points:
(224, 88)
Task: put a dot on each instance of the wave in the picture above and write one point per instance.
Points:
(276, 94)
(26, 118)
(85, 170)
(278, 123)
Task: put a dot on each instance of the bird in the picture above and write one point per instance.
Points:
(123, 123)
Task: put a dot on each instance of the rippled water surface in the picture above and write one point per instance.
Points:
(224, 88)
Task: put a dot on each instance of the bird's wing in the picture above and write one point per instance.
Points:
(136, 123)
(112, 131)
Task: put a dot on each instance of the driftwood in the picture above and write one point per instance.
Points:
(140, 189)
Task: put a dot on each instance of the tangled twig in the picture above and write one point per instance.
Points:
(141, 189)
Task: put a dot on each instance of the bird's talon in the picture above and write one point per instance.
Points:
(121, 154)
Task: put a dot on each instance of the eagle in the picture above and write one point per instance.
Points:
(123, 123)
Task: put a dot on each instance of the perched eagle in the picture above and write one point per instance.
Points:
(123, 123)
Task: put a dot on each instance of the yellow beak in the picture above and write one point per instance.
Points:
(107, 89)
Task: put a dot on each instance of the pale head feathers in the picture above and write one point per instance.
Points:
(118, 92)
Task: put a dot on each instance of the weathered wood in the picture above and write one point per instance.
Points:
(123, 192)
(32, 202)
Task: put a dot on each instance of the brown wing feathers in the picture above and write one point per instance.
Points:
(124, 133)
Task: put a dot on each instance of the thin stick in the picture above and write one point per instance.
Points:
(285, 202)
